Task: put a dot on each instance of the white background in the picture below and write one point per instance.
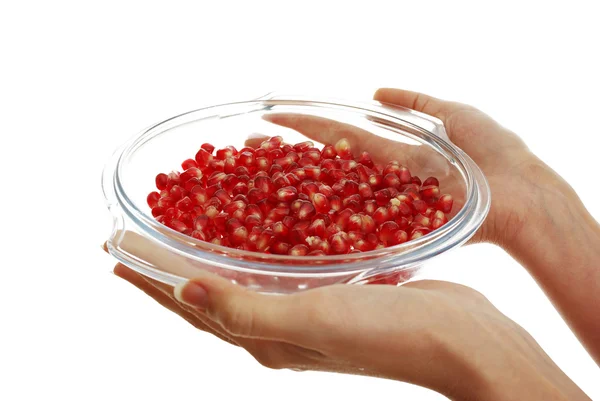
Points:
(78, 78)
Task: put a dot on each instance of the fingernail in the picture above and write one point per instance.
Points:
(191, 293)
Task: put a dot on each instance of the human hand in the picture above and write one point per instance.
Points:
(440, 335)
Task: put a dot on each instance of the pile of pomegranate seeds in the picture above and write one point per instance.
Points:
(297, 200)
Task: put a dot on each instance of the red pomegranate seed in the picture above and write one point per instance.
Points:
(381, 215)
(152, 199)
(382, 196)
(161, 181)
(203, 158)
(318, 244)
(343, 218)
(316, 253)
(287, 194)
(157, 211)
(228, 151)
(365, 191)
(419, 206)
(298, 250)
(252, 221)
(328, 152)
(445, 203)
(184, 204)
(166, 202)
(399, 237)
(229, 165)
(222, 196)
(387, 231)
(350, 188)
(321, 203)
(239, 235)
(404, 175)
(306, 211)
(318, 228)
(430, 192)
(342, 148)
(376, 181)
(370, 206)
(339, 244)
(280, 230)
(303, 146)
(201, 223)
(391, 180)
(365, 159)
(207, 147)
(431, 181)
(177, 225)
(198, 235)
(415, 180)
(189, 163)
(422, 220)
(211, 212)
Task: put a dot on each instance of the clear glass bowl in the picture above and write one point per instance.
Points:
(416, 140)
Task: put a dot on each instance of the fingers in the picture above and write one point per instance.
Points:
(417, 101)
(165, 300)
(248, 314)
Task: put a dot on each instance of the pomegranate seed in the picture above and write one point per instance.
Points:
(166, 202)
(365, 190)
(201, 223)
(343, 218)
(306, 211)
(228, 151)
(252, 221)
(198, 235)
(287, 194)
(318, 228)
(280, 230)
(415, 180)
(404, 175)
(229, 165)
(419, 206)
(263, 164)
(184, 204)
(391, 180)
(239, 235)
(177, 225)
(298, 250)
(430, 192)
(222, 196)
(399, 237)
(152, 199)
(431, 181)
(157, 211)
(203, 158)
(161, 181)
(321, 203)
(381, 215)
(387, 231)
(208, 147)
(445, 203)
(328, 152)
(422, 220)
(211, 212)
(241, 188)
(315, 243)
(316, 253)
(376, 181)
(339, 244)
(303, 146)
(369, 207)
(350, 188)
(382, 196)
(189, 163)
(342, 148)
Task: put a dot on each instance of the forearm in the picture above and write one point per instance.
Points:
(560, 247)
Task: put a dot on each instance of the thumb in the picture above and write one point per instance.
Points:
(246, 313)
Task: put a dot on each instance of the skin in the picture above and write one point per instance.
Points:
(440, 335)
